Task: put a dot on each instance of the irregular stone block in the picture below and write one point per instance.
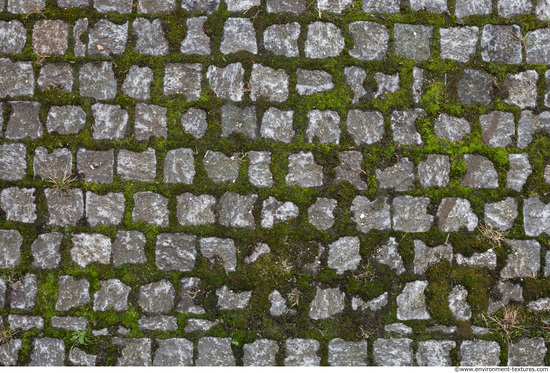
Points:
(110, 122)
(261, 353)
(220, 168)
(426, 256)
(410, 214)
(320, 214)
(135, 352)
(274, 211)
(235, 210)
(112, 6)
(303, 171)
(434, 353)
(129, 247)
(16, 78)
(13, 37)
(72, 293)
(184, 79)
(435, 6)
(156, 6)
(277, 125)
(80, 358)
(527, 352)
(487, 259)
(188, 286)
(24, 296)
(227, 82)
(89, 248)
(411, 303)
(206, 6)
(458, 43)
(199, 325)
(104, 209)
(354, 77)
(236, 120)
(476, 86)
(157, 297)
(194, 122)
(58, 75)
(520, 170)
(50, 37)
(344, 254)
(10, 246)
(344, 353)
(47, 352)
(388, 254)
(95, 166)
(229, 300)
(282, 40)
(149, 37)
(196, 41)
(393, 352)
(480, 172)
(501, 215)
(451, 128)
(259, 173)
(174, 352)
(69, 323)
(107, 38)
(65, 208)
(458, 303)
(327, 302)
(370, 40)
(434, 171)
(523, 260)
(238, 35)
(413, 41)
(387, 84)
(112, 294)
(175, 252)
(501, 44)
(151, 208)
(371, 215)
(324, 39)
(282, 6)
(19, 204)
(268, 83)
(479, 353)
(381, 6)
(45, 250)
(323, 126)
(399, 177)
(225, 249)
(403, 125)
(455, 213)
(65, 119)
(350, 169)
(24, 122)
(510, 8)
(140, 166)
(25, 323)
(215, 351)
(137, 83)
(302, 352)
(309, 82)
(150, 120)
(522, 89)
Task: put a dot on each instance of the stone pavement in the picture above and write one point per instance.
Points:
(274, 182)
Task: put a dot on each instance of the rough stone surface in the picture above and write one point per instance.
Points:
(458, 43)
(344, 353)
(13, 37)
(65, 119)
(23, 297)
(324, 39)
(227, 82)
(323, 126)
(277, 125)
(16, 78)
(370, 40)
(194, 122)
(229, 300)
(179, 166)
(259, 172)
(413, 41)
(320, 214)
(497, 128)
(522, 89)
(239, 121)
(47, 352)
(238, 35)
(224, 249)
(113, 294)
(365, 127)
(278, 304)
(479, 353)
(434, 353)
(195, 210)
(354, 77)
(399, 177)
(152, 208)
(260, 353)
(327, 302)
(313, 81)
(175, 252)
(274, 211)
(45, 250)
(107, 38)
(69, 323)
(523, 260)
(174, 352)
(95, 166)
(434, 171)
(403, 125)
(302, 352)
(137, 165)
(187, 304)
(393, 352)
(536, 43)
(150, 120)
(157, 297)
(25, 323)
(91, 247)
(501, 44)
(410, 214)
(343, 254)
(58, 75)
(64, 209)
(480, 172)
(350, 169)
(107, 209)
(487, 259)
(282, 40)
(135, 352)
(55, 165)
(13, 161)
(303, 171)
(183, 79)
(387, 84)
(220, 168)
(411, 303)
(235, 210)
(24, 121)
(458, 303)
(388, 254)
(80, 358)
(207, 6)
(536, 217)
(268, 83)
(137, 83)
(10, 245)
(110, 122)
(476, 86)
(520, 170)
(370, 215)
(426, 256)
(196, 41)
(527, 352)
(19, 204)
(129, 247)
(501, 215)
(456, 213)
(214, 351)
(72, 293)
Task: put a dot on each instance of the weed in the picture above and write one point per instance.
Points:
(294, 297)
(495, 237)
(61, 185)
(510, 322)
(36, 9)
(79, 338)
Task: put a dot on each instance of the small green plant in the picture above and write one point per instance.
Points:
(61, 184)
(6, 334)
(79, 338)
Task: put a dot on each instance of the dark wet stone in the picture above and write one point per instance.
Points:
(371, 215)
(381, 6)
(45, 250)
(410, 214)
(282, 6)
(137, 165)
(523, 260)
(480, 172)
(196, 41)
(174, 352)
(403, 124)
(212, 247)
(434, 171)
(157, 297)
(302, 352)
(183, 78)
(189, 286)
(135, 352)
(274, 211)
(451, 128)
(69, 323)
(235, 210)
(215, 351)
(370, 40)
(150, 120)
(227, 82)
(344, 353)
(282, 40)
(50, 37)
(277, 125)
(313, 81)
(501, 44)
(388, 254)
(238, 35)
(24, 121)
(479, 353)
(194, 122)
(206, 6)
(426, 256)
(456, 213)
(354, 77)
(476, 86)
(10, 254)
(91, 247)
(47, 352)
(393, 352)
(129, 247)
(152, 208)
(156, 6)
(66, 208)
(458, 43)
(137, 83)
(19, 204)
(16, 78)
(23, 296)
(320, 214)
(104, 209)
(366, 127)
(399, 177)
(324, 126)
(59, 75)
(65, 119)
(237, 120)
(97, 80)
(113, 294)
(107, 38)
(350, 169)
(95, 166)
(260, 353)
(175, 252)
(324, 39)
(303, 171)
(13, 37)
(149, 36)
(413, 41)
(220, 168)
